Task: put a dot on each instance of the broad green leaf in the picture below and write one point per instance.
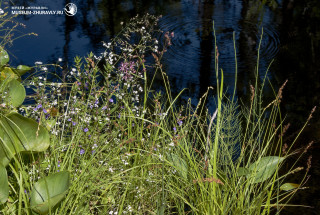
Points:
(15, 93)
(242, 171)
(49, 191)
(4, 186)
(265, 168)
(289, 186)
(7, 73)
(179, 164)
(4, 57)
(22, 69)
(18, 133)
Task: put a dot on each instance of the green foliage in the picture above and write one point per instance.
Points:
(129, 149)
(19, 133)
(49, 191)
(289, 186)
(4, 57)
(264, 168)
(4, 187)
(179, 164)
(15, 93)
(22, 69)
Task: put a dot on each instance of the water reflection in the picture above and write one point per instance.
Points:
(188, 61)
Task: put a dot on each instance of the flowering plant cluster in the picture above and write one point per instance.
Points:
(128, 148)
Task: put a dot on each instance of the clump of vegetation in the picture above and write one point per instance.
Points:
(127, 148)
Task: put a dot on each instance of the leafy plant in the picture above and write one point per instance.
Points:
(20, 134)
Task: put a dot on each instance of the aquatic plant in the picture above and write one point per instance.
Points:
(131, 149)
(21, 139)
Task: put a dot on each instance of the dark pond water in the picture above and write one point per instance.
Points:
(291, 36)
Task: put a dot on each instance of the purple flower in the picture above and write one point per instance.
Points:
(131, 66)
(86, 130)
(74, 123)
(180, 123)
(69, 119)
(96, 102)
(39, 106)
(82, 151)
(111, 100)
(44, 110)
(175, 129)
(93, 151)
(119, 115)
(123, 66)
(104, 107)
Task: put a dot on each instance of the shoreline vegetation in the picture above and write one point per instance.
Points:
(98, 139)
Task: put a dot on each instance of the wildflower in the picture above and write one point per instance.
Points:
(175, 129)
(86, 130)
(69, 119)
(60, 59)
(104, 107)
(44, 110)
(1, 11)
(111, 100)
(180, 123)
(82, 151)
(74, 123)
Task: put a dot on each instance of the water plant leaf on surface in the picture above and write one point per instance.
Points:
(16, 93)
(289, 186)
(265, 167)
(22, 69)
(179, 164)
(4, 187)
(19, 133)
(4, 57)
(49, 191)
